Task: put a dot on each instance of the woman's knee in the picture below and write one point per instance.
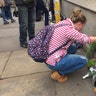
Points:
(72, 49)
(84, 60)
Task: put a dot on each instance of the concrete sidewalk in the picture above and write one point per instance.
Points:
(21, 76)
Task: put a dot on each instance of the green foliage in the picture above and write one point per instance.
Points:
(91, 62)
(90, 54)
(90, 50)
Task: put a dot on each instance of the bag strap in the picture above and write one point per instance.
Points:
(61, 25)
(59, 47)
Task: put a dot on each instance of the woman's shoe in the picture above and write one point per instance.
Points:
(12, 21)
(24, 45)
(6, 22)
(56, 76)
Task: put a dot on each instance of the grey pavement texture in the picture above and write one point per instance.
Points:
(21, 76)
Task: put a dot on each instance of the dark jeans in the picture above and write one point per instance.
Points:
(27, 18)
(51, 8)
(42, 7)
(8, 10)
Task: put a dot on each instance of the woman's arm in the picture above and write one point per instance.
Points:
(92, 39)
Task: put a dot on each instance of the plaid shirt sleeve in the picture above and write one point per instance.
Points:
(77, 36)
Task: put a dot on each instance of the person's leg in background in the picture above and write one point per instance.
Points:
(23, 28)
(31, 21)
(72, 49)
(4, 16)
(8, 9)
(51, 8)
(6, 13)
(38, 14)
(41, 6)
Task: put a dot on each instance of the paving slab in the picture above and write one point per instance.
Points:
(9, 35)
(20, 63)
(39, 84)
(3, 60)
(10, 44)
(9, 32)
(75, 85)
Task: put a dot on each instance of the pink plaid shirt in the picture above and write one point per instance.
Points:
(60, 36)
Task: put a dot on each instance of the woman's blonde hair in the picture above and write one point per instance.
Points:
(78, 16)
